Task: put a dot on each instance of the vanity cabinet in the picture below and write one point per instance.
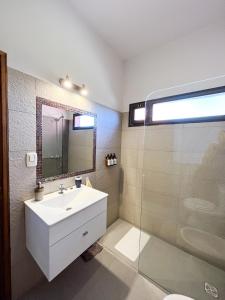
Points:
(55, 245)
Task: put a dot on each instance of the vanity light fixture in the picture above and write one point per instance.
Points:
(83, 90)
(66, 83)
(69, 85)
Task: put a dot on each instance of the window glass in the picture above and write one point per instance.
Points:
(139, 114)
(83, 121)
(136, 114)
(197, 107)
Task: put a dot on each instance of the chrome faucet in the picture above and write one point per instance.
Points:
(61, 189)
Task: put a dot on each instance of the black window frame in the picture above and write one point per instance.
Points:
(149, 109)
(132, 107)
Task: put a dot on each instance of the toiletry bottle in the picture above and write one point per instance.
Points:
(107, 160)
(114, 159)
(111, 160)
(39, 192)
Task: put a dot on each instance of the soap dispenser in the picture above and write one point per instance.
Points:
(39, 192)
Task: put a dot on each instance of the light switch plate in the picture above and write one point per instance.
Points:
(31, 159)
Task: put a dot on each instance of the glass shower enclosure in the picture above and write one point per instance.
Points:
(182, 240)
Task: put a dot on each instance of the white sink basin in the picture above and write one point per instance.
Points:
(63, 201)
(62, 226)
(55, 207)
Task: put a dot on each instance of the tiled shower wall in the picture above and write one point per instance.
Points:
(23, 90)
(183, 196)
(131, 172)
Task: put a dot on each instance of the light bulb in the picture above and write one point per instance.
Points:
(67, 83)
(83, 90)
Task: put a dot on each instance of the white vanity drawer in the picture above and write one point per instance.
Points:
(62, 229)
(70, 247)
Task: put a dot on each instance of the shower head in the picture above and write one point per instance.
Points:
(58, 119)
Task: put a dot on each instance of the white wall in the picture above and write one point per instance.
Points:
(46, 38)
(198, 56)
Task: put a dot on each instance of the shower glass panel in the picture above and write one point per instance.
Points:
(183, 203)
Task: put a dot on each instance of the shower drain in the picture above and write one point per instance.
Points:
(211, 290)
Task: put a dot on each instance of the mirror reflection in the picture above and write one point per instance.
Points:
(67, 141)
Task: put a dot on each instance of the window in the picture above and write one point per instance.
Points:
(202, 106)
(83, 122)
(199, 107)
(137, 114)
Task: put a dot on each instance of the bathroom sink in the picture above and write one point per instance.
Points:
(60, 202)
(55, 207)
(63, 201)
(62, 226)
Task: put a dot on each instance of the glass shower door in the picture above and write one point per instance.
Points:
(182, 242)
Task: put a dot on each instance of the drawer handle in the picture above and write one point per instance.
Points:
(85, 233)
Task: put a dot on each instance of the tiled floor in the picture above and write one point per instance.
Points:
(169, 266)
(112, 274)
(103, 278)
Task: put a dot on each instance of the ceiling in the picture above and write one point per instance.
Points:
(132, 27)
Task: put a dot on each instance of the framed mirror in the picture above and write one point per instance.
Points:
(66, 141)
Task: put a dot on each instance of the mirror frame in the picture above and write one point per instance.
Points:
(39, 103)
